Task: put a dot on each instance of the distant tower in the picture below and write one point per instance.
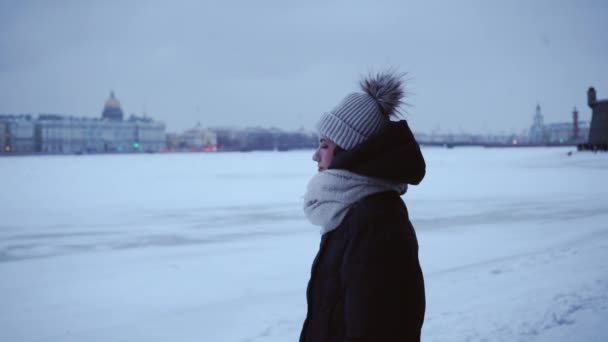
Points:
(537, 131)
(538, 117)
(591, 97)
(112, 110)
(598, 132)
(575, 129)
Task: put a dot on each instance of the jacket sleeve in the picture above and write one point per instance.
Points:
(383, 285)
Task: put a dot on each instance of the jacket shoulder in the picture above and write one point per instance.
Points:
(377, 225)
(380, 208)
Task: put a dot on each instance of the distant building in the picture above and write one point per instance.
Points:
(240, 139)
(63, 134)
(112, 109)
(172, 141)
(557, 133)
(198, 139)
(229, 139)
(562, 132)
(575, 126)
(3, 137)
(19, 133)
(149, 134)
(598, 133)
(296, 140)
(259, 139)
(537, 131)
(53, 133)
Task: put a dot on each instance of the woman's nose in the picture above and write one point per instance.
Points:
(315, 156)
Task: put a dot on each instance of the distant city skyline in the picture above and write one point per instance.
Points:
(472, 66)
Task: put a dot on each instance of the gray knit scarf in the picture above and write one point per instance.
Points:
(332, 192)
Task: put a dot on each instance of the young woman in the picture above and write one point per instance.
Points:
(366, 283)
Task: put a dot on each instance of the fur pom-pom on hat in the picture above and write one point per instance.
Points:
(386, 88)
(362, 115)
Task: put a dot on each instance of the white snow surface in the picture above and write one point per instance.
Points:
(215, 247)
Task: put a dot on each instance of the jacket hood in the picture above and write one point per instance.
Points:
(392, 155)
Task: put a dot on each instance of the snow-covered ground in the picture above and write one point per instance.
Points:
(214, 247)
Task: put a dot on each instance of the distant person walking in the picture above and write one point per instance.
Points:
(366, 283)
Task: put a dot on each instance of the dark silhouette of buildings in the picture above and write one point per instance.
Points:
(598, 133)
(240, 139)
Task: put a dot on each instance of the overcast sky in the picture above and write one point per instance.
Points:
(473, 66)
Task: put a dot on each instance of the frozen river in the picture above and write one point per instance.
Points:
(215, 247)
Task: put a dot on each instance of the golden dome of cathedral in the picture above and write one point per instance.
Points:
(112, 102)
(112, 110)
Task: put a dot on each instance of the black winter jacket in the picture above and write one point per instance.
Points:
(366, 283)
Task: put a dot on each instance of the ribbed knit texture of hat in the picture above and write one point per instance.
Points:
(354, 120)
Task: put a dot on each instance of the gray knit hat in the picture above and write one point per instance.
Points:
(362, 115)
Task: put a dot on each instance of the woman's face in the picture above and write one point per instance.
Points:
(324, 153)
